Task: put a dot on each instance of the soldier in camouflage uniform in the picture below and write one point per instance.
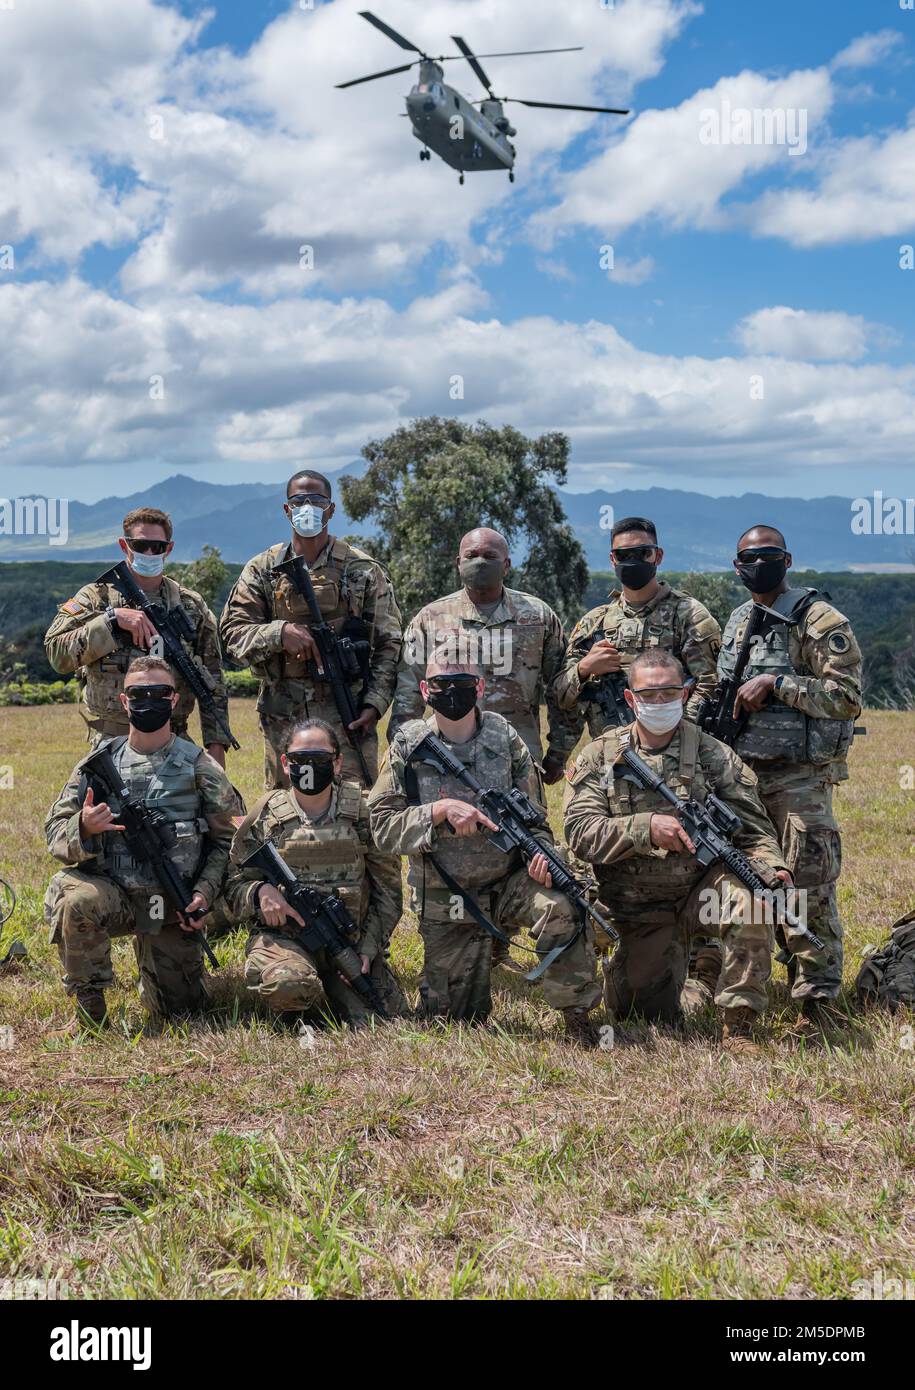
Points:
(265, 625)
(652, 887)
(320, 826)
(514, 638)
(802, 690)
(103, 892)
(97, 637)
(644, 614)
(411, 805)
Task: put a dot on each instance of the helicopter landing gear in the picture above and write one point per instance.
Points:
(461, 179)
(424, 154)
(511, 175)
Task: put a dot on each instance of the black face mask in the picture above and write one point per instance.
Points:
(311, 772)
(150, 714)
(763, 576)
(635, 574)
(457, 699)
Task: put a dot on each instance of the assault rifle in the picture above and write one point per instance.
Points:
(328, 925)
(147, 834)
(173, 627)
(716, 712)
(516, 816)
(711, 827)
(606, 692)
(340, 656)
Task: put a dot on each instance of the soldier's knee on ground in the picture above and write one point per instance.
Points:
(171, 971)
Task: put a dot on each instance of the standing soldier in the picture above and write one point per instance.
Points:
(266, 625)
(514, 638)
(320, 827)
(644, 614)
(104, 892)
(650, 882)
(96, 636)
(802, 693)
(414, 810)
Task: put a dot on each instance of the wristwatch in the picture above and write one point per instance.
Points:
(778, 684)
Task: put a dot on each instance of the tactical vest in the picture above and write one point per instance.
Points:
(340, 595)
(637, 632)
(473, 861)
(653, 879)
(170, 787)
(778, 733)
(329, 855)
(102, 681)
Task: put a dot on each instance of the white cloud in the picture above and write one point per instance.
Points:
(632, 272)
(810, 335)
(868, 50)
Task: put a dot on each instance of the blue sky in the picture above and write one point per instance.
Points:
(172, 258)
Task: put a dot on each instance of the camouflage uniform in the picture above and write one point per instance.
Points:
(348, 585)
(519, 646)
(333, 853)
(79, 639)
(103, 892)
(671, 620)
(657, 899)
(457, 952)
(798, 747)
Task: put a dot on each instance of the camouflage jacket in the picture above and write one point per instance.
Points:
(608, 819)
(348, 584)
(79, 639)
(402, 821)
(202, 821)
(671, 620)
(520, 648)
(809, 720)
(332, 853)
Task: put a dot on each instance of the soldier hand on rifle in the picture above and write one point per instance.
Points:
(187, 921)
(754, 694)
(275, 909)
(298, 642)
(603, 659)
(463, 818)
(134, 621)
(539, 871)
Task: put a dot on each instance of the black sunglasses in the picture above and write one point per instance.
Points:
(761, 552)
(316, 498)
(142, 547)
(634, 552)
(148, 692)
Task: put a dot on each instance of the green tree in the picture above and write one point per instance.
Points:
(429, 483)
(207, 575)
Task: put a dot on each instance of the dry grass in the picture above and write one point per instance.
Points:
(224, 1160)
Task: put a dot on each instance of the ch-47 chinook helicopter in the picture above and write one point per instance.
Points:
(444, 121)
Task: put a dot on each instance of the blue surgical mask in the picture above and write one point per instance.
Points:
(308, 520)
(150, 566)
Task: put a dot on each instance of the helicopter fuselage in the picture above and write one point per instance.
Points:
(446, 123)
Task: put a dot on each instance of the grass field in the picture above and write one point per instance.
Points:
(222, 1160)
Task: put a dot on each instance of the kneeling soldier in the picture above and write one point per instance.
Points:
(105, 892)
(655, 891)
(414, 809)
(320, 827)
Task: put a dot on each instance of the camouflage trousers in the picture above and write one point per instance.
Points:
(457, 952)
(647, 972)
(799, 804)
(84, 911)
(288, 979)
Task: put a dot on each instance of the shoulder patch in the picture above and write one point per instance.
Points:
(837, 642)
(73, 606)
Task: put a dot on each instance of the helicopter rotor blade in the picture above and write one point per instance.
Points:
(514, 53)
(471, 58)
(565, 106)
(354, 81)
(391, 33)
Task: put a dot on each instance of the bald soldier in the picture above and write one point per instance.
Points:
(434, 820)
(97, 636)
(515, 639)
(801, 695)
(265, 624)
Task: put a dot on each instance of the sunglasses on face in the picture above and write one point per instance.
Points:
(143, 547)
(149, 692)
(660, 695)
(761, 552)
(302, 499)
(307, 758)
(634, 552)
(437, 686)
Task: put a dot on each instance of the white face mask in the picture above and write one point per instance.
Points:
(308, 520)
(148, 565)
(659, 719)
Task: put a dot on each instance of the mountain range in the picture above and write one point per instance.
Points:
(698, 532)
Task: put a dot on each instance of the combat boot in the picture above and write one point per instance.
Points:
(737, 1032)
(578, 1028)
(91, 1007)
(819, 1022)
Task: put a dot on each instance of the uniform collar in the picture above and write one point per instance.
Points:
(329, 815)
(503, 609)
(664, 591)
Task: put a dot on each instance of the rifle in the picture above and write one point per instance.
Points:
(172, 625)
(606, 692)
(716, 712)
(329, 926)
(712, 827)
(148, 836)
(515, 815)
(339, 655)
